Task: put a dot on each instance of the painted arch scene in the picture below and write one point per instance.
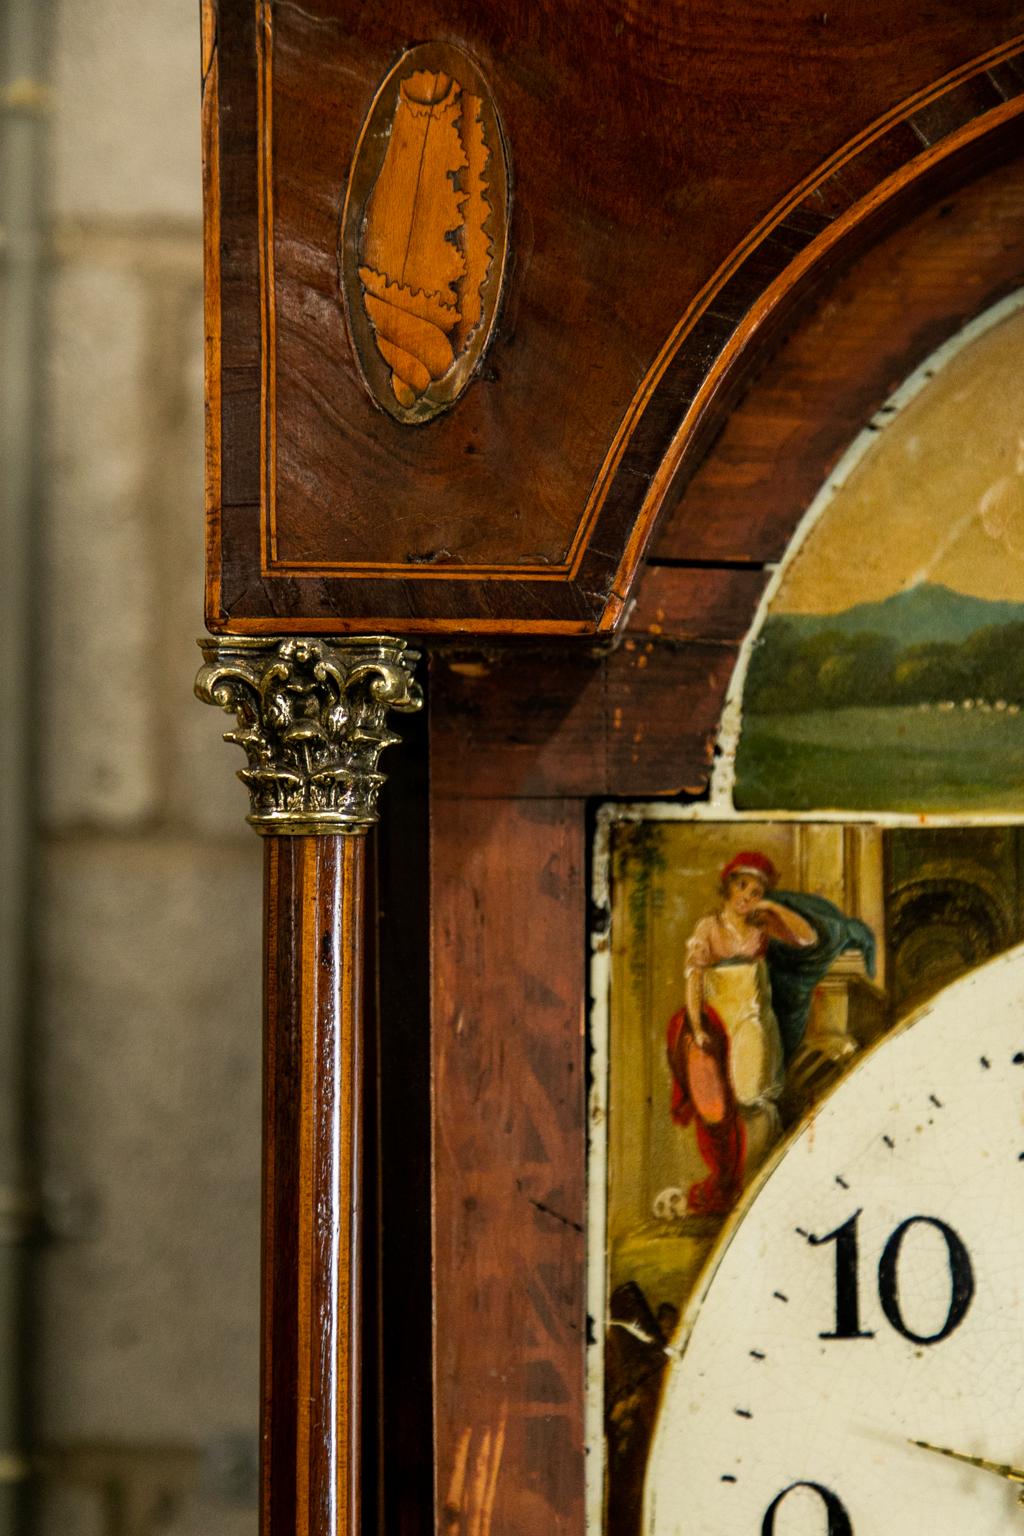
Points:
(888, 673)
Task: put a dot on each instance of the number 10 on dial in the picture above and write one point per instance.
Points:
(853, 1362)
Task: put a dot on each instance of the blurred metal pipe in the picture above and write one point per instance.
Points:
(23, 130)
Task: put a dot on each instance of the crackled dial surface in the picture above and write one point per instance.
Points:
(870, 1294)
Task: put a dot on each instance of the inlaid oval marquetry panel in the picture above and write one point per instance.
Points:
(424, 232)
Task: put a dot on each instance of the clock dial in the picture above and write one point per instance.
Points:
(868, 1294)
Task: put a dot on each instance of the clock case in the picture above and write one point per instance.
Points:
(859, 208)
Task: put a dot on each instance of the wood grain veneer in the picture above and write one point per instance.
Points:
(313, 1144)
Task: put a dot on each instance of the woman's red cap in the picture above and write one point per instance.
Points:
(752, 863)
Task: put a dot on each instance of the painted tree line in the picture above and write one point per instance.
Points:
(792, 672)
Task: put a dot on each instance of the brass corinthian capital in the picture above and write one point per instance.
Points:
(312, 720)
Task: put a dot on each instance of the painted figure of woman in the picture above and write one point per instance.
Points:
(751, 969)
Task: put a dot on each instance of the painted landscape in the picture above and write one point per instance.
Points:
(913, 703)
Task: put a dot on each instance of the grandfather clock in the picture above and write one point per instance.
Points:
(531, 332)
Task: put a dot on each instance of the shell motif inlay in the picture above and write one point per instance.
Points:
(424, 232)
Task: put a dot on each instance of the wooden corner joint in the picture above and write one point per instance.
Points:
(312, 719)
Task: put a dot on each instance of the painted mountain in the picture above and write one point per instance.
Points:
(913, 703)
(922, 614)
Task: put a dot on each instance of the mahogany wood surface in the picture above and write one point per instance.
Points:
(871, 327)
(639, 721)
(508, 915)
(682, 176)
(311, 1366)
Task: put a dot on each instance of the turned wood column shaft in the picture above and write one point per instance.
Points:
(312, 1239)
(312, 716)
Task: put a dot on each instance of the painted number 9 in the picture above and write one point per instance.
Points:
(838, 1519)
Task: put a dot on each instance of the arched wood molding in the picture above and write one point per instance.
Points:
(642, 719)
(866, 334)
(901, 163)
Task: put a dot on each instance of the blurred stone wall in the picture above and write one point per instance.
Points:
(148, 1055)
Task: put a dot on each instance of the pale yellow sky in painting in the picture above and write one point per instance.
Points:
(939, 498)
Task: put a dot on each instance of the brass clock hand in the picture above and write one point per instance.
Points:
(1000, 1468)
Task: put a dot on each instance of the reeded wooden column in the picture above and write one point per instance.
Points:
(312, 1152)
(312, 717)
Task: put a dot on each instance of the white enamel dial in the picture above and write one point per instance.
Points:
(895, 1220)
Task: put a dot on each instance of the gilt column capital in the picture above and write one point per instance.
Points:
(312, 718)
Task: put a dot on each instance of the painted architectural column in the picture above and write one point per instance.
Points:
(312, 717)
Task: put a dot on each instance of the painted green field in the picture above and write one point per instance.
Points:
(900, 759)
